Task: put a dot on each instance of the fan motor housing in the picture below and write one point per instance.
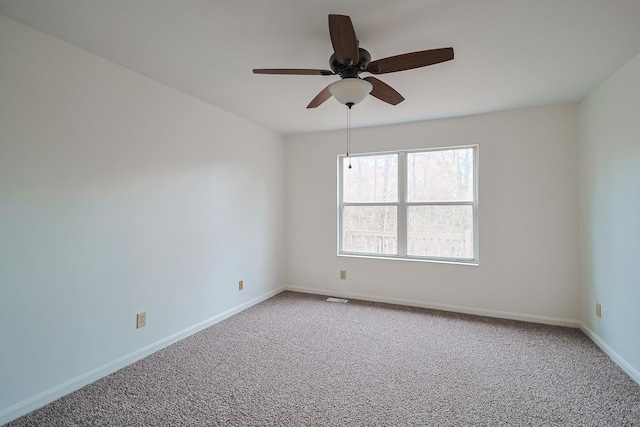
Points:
(348, 70)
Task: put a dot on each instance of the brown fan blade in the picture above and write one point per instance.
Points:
(343, 39)
(384, 92)
(293, 71)
(320, 98)
(411, 60)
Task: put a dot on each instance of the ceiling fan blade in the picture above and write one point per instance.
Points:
(293, 71)
(343, 39)
(320, 98)
(411, 60)
(384, 92)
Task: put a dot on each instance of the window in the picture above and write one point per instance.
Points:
(419, 205)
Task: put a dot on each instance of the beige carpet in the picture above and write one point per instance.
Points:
(297, 360)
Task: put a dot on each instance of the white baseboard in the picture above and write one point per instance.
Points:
(77, 383)
(630, 370)
(444, 307)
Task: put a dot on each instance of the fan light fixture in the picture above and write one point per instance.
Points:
(350, 91)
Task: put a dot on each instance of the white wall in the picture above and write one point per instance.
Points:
(610, 214)
(528, 217)
(119, 195)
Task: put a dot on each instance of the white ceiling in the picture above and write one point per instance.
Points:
(509, 53)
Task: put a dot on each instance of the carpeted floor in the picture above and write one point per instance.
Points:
(297, 360)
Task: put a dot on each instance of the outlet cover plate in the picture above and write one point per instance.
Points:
(141, 320)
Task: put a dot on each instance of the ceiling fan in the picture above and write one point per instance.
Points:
(349, 60)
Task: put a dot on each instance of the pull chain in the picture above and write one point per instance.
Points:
(349, 132)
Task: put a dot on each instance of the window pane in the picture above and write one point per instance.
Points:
(370, 229)
(444, 175)
(371, 178)
(440, 231)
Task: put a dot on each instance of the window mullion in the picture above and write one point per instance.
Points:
(340, 204)
(402, 205)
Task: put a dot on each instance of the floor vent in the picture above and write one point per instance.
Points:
(340, 300)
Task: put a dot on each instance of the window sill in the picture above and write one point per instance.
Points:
(472, 262)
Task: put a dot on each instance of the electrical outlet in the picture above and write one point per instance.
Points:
(343, 274)
(598, 310)
(241, 285)
(141, 320)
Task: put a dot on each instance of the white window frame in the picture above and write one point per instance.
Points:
(402, 204)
